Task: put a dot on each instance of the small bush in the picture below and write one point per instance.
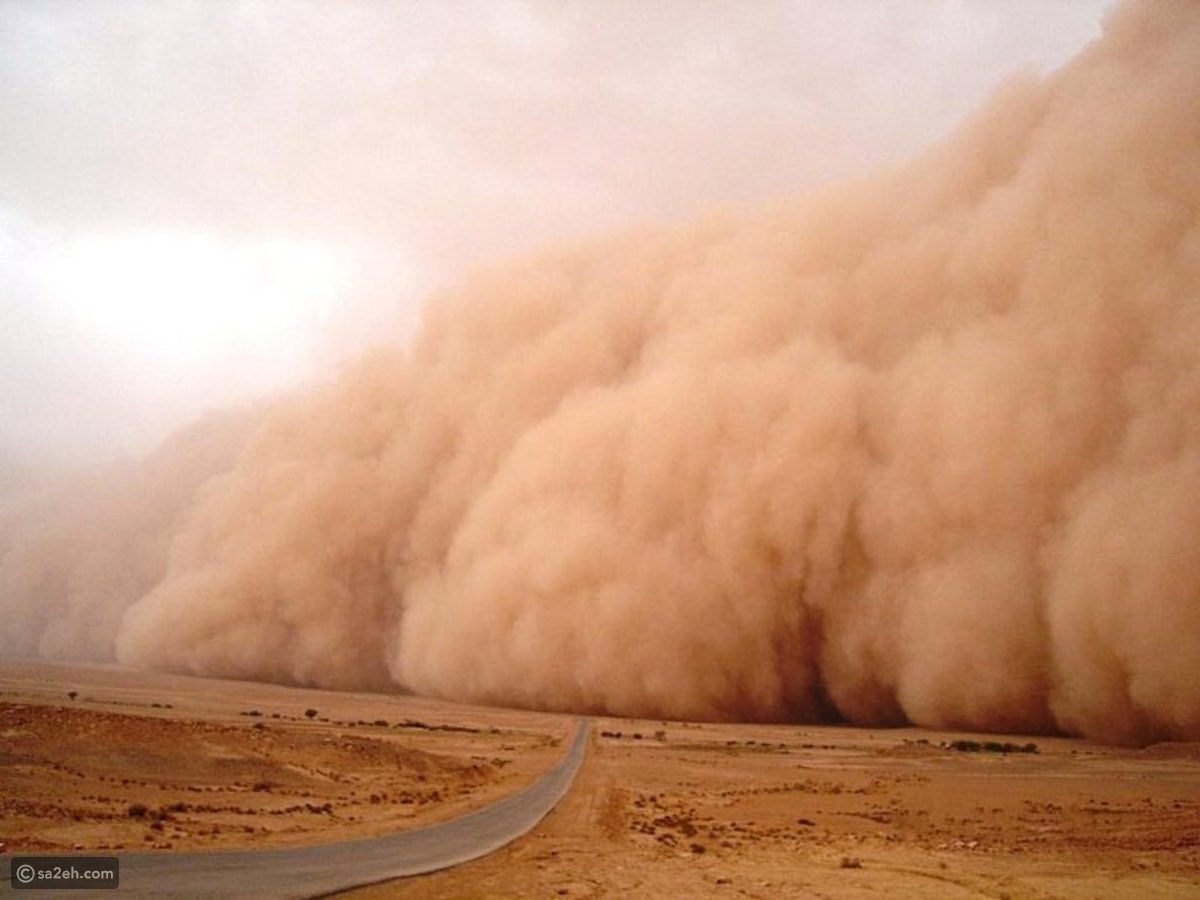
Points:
(311, 713)
(137, 810)
(964, 746)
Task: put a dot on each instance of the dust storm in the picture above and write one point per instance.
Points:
(922, 447)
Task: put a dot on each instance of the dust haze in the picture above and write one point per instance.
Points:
(923, 447)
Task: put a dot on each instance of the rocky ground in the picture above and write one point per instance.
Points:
(102, 758)
(686, 810)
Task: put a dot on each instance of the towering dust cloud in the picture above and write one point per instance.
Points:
(921, 448)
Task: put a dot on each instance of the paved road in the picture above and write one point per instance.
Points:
(322, 869)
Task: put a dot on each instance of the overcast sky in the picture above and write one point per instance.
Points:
(204, 201)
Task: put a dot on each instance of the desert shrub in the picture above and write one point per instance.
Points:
(964, 746)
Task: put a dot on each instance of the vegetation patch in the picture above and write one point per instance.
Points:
(964, 746)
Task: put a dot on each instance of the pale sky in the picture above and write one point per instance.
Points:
(205, 201)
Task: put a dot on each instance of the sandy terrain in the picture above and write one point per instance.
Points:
(104, 758)
(772, 811)
(660, 809)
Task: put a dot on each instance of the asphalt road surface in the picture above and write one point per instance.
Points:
(325, 868)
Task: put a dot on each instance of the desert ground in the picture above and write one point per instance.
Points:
(98, 757)
(775, 811)
(103, 758)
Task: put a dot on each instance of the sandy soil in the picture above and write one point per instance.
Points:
(659, 809)
(105, 758)
(772, 811)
